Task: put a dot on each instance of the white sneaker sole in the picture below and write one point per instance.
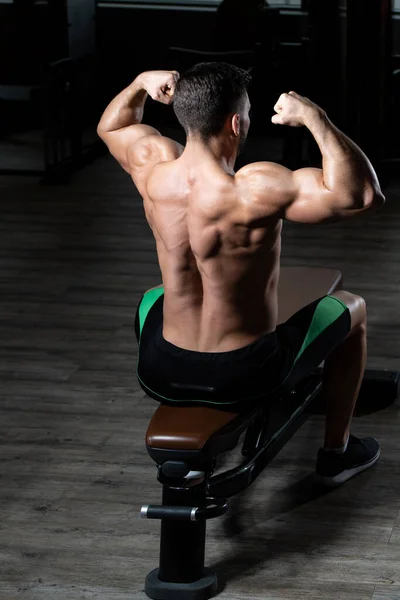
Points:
(345, 475)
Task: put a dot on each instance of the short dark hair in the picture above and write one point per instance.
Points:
(206, 94)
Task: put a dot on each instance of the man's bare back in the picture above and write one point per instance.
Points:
(219, 262)
(218, 233)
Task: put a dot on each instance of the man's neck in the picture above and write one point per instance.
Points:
(220, 149)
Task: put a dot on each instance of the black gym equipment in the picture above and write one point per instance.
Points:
(65, 148)
(53, 85)
(186, 442)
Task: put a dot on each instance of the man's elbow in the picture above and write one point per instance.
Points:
(100, 131)
(371, 199)
(374, 199)
(380, 199)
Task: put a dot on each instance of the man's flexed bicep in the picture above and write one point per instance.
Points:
(300, 196)
(121, 127)
(310, 201)
(346, 185)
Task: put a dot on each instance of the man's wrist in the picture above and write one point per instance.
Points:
(139, 83)
(314, 117)
(138, 86)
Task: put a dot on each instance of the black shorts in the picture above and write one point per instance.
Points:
(276, 362)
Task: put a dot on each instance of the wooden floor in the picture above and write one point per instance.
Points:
(74, 471)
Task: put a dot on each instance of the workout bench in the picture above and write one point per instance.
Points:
(185, 443)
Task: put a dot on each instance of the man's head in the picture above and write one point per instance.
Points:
(211, 100)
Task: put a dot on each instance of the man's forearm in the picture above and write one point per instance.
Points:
(346, 169)
(126, 108)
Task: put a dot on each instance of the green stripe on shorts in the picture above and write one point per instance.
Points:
(149, 298)
(328, 310)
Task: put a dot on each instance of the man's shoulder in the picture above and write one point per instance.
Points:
(261, 170)
(148, 153)
(263, 186)
(152, 149)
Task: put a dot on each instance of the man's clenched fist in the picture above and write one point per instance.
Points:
(160, 85)
(294, 110)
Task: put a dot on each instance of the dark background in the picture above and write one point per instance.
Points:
(62, 61)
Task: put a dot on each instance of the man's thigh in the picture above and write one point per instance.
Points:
(356, 305)
(312, 333)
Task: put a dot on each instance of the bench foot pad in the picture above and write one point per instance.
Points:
(202, 589)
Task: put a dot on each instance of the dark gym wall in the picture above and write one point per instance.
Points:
(33, 34)
(124, 41)
(30, 35)
(133, 40)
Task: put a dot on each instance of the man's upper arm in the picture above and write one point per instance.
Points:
(310, 200)
(299, 196)
(138, 148)
(313, 202)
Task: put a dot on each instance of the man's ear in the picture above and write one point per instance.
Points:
(236, 124)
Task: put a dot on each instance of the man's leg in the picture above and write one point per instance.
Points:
(343, 373)
(344, 455)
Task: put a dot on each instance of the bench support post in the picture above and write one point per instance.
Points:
(181, 574)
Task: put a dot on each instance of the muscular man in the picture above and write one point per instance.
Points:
(209, 334)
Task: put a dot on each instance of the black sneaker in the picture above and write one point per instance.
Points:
(334, 469)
